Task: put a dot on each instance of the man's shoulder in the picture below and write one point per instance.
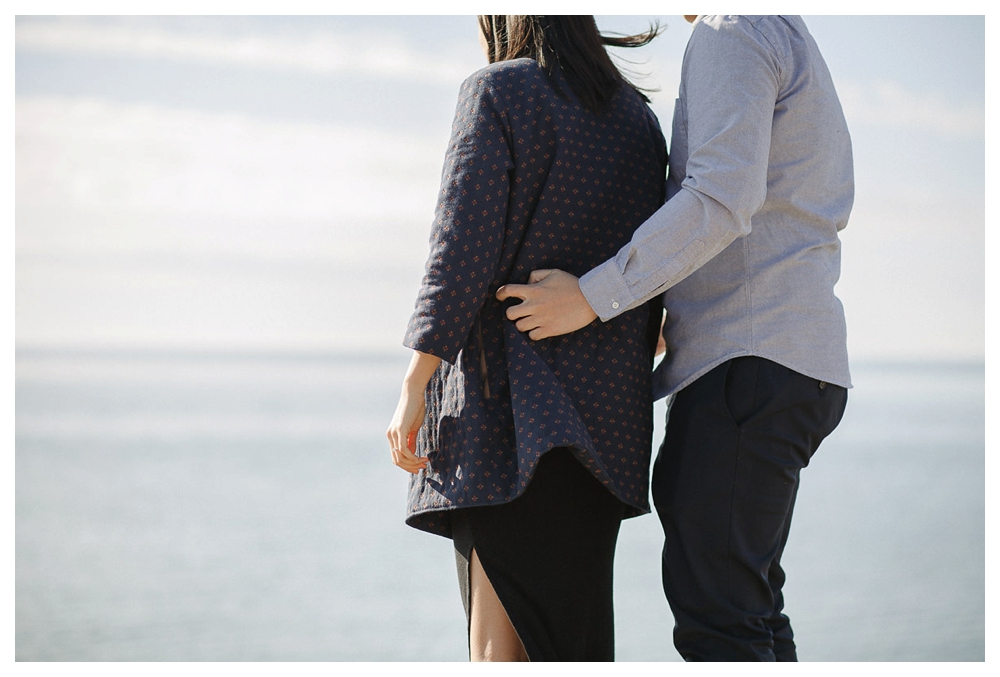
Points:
(764, 26)
(733, 34)
(748, 21)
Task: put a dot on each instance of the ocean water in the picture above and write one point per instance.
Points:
(244, 508)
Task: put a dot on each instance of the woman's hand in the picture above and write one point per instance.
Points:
(410, 412)
(402, 433)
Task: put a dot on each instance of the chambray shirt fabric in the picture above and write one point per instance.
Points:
(532, 180)
(761, 181)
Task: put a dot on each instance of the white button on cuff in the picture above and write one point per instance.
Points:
(614, 304)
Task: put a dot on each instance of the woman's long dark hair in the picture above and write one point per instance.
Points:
(571, 44)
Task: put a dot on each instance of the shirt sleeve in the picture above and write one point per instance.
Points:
(467, 235)
(729, 87)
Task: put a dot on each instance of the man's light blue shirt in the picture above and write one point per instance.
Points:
(761, 181)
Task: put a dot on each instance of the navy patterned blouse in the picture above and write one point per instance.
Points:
(532, 179)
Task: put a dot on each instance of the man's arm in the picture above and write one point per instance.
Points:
(729, 89)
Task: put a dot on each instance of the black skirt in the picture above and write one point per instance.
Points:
(549, 555)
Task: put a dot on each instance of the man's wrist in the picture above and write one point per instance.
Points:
(606, 292)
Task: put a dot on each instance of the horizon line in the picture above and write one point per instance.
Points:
(363, 353)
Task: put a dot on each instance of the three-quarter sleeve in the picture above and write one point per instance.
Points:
(468, 231)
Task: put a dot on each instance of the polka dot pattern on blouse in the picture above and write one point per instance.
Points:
(531, 180)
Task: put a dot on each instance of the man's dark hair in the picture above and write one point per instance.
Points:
(571, 44)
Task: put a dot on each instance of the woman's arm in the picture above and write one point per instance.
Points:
(409, 416)
(466, 243)
(469, 224)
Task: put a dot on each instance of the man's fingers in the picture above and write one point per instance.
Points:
(517, 291)
(517, 312)
(539, 275)
(523, 291)
(526, 323)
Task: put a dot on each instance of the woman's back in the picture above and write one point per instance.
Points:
(580, 178)
(533, 179)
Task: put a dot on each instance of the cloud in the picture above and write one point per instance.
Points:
(884, 103)
(315, 51)
(82, 160)
(144, 225)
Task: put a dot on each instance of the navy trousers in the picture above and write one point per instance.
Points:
(724, 485)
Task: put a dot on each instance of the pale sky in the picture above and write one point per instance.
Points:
(268, 183)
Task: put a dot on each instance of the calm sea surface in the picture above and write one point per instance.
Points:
(186, 508)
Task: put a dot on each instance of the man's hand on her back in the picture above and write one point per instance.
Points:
(551, 304)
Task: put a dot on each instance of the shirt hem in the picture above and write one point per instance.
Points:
(688, 380)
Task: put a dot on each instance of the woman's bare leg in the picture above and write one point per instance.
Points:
(491, 636)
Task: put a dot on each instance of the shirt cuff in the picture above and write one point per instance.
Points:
(606, 291)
